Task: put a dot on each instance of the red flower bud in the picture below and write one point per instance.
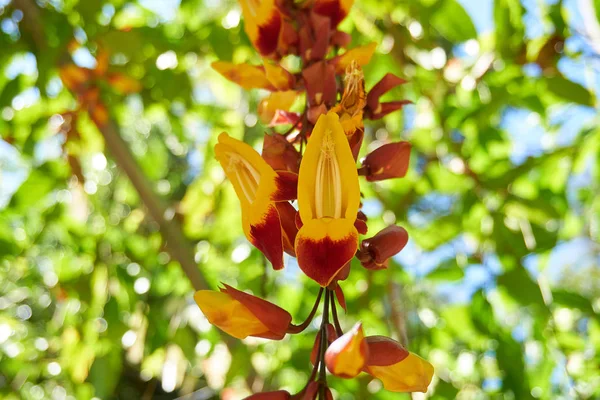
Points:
(388, 161)
(375, 252)
(278, 395)
(280, 154)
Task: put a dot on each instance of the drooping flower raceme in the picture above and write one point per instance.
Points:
(314, 161)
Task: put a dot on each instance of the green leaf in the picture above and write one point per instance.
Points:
(569, 91)
(452, 21)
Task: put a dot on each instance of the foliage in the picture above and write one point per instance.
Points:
(498, 287)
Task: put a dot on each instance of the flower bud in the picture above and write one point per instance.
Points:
(374, 252)
(398, 369)
(242, 315)
(388, 161)
(280, 154)
(277, 395)
(347, 355)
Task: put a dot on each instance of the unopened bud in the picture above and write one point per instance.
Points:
(388, 161)
(375, 252)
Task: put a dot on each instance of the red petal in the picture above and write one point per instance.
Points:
(384, 351)
(287, 216)
(339, 294)
(287, 186)
(387, 83)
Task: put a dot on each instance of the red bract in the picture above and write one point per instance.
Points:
(388, 161)
(375, 109)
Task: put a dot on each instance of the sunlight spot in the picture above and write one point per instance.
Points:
(167, 60)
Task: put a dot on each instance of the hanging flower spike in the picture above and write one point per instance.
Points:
(278, 395)
(398, 369)
(328, 201)
(336, 10)
(376, 109)
(347, 355)
(262, 23)
(375, 252)
(258, 187)
(388, 161)
(242, 315)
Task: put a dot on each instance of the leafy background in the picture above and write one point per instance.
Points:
(499, 286)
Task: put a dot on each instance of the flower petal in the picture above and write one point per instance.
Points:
(262, 227)
(287, 216)
(262, 22)
(388, 161)
(324, 246)
(362, 55)
(278, 76)
(274, 102)
(228, 314)
(346, 356)
(398, 369)
(287, 186)
(328, 142)
(336, 10)
(280, 154)
(275, 318)
(246, 75)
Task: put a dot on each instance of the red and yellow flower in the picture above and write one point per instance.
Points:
(259, 189)
(328, 201)
(242, 315)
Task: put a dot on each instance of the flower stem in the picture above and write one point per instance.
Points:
(323, 347)
(336, 321)
(293, 329)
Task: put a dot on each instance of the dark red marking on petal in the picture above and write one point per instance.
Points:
(268, 35)
(322, 259)
(267, 237)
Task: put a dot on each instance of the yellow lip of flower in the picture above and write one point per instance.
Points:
(398, 369)
(258, 188)
(328, 200)
(361, 55)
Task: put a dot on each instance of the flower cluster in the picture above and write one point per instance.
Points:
(313, 166)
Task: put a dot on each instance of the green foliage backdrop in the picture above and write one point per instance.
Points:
(499, 286)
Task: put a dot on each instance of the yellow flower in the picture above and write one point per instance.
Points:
(328, 201)
(347, 355)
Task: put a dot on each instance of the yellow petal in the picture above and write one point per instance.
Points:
(412, 374)
(362, 55)
(328, 181)
(246, 75)
(346, 356)
(276, 101)
(228, 314)
(278, 76)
